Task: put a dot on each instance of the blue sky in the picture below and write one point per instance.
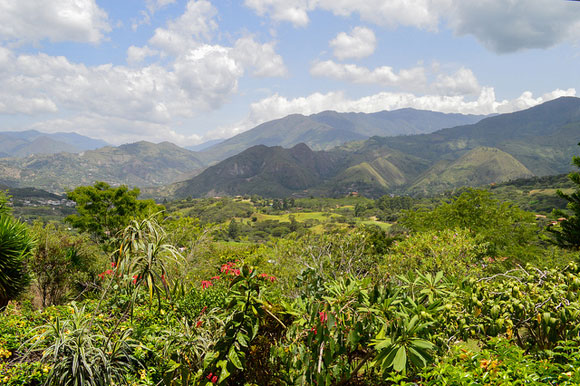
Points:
(191, 71)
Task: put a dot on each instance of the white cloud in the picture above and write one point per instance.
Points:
(56, 20)
(501, 26)
(195, 26)
(413, 78)
(293, 11)
(208, 75)
(39, 84)
(136, 55)
(359, 44)
(261, 57)
(462, 82)
(277, 106)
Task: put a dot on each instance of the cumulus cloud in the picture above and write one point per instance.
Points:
(359, 44)
(412, 78)
(277, 106)
(462, 82)
(197, 24)
(136, 55)
(499, 25)
(293, 11)
(56, 20)
(261, 57)
(37, 84)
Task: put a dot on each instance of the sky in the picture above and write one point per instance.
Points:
(192, 71)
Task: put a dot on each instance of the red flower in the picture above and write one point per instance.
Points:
(101, 275)
(214, 379)
(203, 310)
(135, 277)
(215, 278)
(209, 376)
(109, 271)
(236, 272)
(198, 324)
(323, 316)
(272, 279)
(113, 264)
(205, 284)
(263, 275)
(313, 329)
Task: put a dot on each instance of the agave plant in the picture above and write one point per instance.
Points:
(81, 353)
(145, 256)
(15, 246)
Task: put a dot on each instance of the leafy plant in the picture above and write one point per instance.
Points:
(81, 353)
(16, 244)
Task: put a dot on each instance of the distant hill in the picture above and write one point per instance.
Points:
(25, 143)
(204, 145)
(482, 165)
(535, 142)
(138, 164)
(268, 171)
(329, 129)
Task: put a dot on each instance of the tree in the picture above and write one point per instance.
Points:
(15, 246)
(506, 228)
(568, 234)
(104, 211)
(63, 263)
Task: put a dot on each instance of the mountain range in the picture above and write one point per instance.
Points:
(137, 164)
(537, 141)
(25, 143)
(534, 142)
(328, 129)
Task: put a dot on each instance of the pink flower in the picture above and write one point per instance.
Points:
(205, 284)
(323, 316)
(113, 265)
(109, 271)
(236, 272)
(215, 278)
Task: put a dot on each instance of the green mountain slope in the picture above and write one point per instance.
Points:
(482, 165)
(267, 171)
(138, 164)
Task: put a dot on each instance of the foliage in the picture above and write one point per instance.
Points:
(505, 227)
(79, 355)
(568, 235)
(454, 252)
(16, 244)
(63, 264)
(144, 258)
(103, 211)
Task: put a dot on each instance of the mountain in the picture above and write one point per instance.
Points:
(205, 145)
(482, 165)
(137, 164)
(25, 143)
(534, 142)
(328, 129)
(269, 171)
